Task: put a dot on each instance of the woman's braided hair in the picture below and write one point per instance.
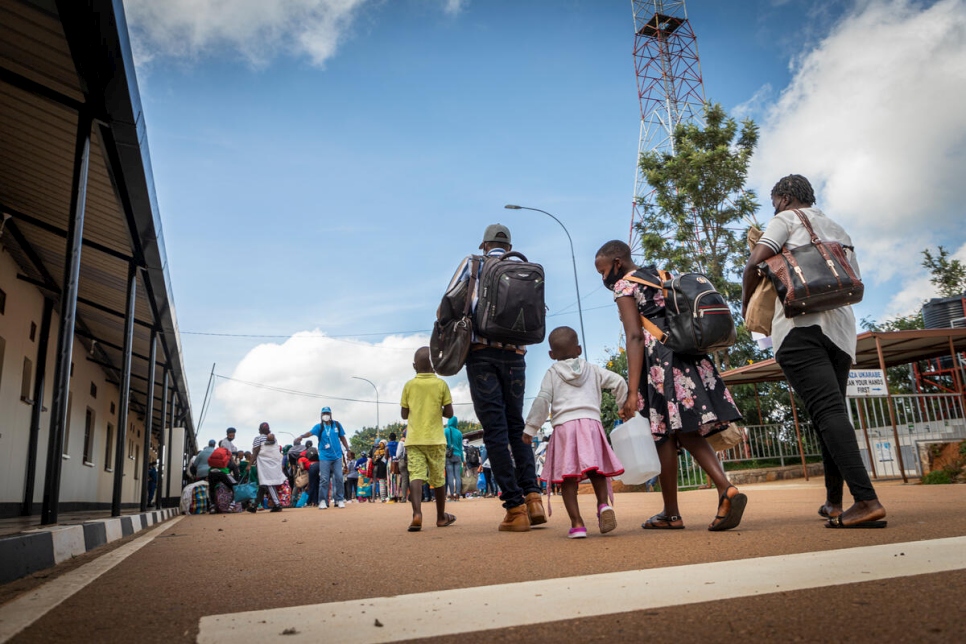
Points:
(795, 186)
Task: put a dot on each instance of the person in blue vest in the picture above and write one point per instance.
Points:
(331, 443)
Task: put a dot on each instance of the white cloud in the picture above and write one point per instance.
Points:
(917, 290)
(312, 362)
(453, 7)
(755, 105)
(257, 30)
(874, 118)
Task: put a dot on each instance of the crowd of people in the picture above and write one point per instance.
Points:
(313, 473)
(682, 396)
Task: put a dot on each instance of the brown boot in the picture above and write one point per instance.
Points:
(535, 509)
(516, 520)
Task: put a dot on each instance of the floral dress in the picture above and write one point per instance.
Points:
(680, 393)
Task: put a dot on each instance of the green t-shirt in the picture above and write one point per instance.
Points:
(425, 396)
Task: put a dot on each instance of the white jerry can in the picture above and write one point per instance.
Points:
(634, 446)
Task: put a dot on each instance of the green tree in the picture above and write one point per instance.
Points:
(363, 440)
(900, 377)
(466, 426)
(617, 362)
(693, 223)
(948, 275)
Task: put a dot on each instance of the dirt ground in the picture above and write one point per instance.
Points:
(205, 565)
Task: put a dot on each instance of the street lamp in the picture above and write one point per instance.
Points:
(573, 258)
(377, 402)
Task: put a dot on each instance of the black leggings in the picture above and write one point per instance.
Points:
(819, 371)
(350, 488)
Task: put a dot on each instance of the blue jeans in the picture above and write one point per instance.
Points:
(331, 471)
(497, 380)
(453, 482)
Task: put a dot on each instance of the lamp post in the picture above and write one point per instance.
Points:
(573, 258)
(377, 402)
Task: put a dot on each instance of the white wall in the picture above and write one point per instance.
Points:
(90, 482)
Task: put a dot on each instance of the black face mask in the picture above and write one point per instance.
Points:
(779, 208)
(610, 280)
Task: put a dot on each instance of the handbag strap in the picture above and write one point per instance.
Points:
(808, 226)
(471, 289)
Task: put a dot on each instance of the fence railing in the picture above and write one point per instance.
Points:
(773, 445)
(918, 418)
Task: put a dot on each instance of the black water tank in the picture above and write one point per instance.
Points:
(939, 312)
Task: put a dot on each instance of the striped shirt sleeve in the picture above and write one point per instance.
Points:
(776, 234)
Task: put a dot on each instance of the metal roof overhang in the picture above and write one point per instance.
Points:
(57, 59)
(898, 348)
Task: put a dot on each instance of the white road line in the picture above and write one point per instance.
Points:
(20, 613)
(469, 610)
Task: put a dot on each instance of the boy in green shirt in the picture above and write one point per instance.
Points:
(425, 400)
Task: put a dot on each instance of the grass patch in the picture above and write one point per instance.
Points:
(937, 477)
(765, 463)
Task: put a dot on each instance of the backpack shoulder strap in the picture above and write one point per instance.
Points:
(654, 330)
(630, 277)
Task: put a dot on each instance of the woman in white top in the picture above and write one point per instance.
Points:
(816, 351)
(268, 455)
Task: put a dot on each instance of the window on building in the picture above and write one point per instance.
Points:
(93, 390)
(137, 457)
(3, 301)
(89, 436)
(109, 449)
(27, 380)
(70, 402)
(33, 331)
(113, 409)
(3, 349)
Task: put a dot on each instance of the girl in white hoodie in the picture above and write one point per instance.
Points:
(570, 393)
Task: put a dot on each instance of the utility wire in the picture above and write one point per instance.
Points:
(346, 335)
(563, 311)
(293, 392)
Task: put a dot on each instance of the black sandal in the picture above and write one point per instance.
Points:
(652, 523)
(732, 518)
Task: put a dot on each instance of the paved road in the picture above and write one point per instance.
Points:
(203, 566)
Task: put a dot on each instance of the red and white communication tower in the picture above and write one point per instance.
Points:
(669, 86)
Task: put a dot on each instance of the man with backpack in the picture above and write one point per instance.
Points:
(496, 368)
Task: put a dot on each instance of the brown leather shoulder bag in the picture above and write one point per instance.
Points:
(815, 277)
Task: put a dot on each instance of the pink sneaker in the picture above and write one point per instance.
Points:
(577, 533)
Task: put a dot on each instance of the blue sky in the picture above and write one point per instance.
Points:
(322, 166)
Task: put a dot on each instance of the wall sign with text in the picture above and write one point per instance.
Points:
(866, 382)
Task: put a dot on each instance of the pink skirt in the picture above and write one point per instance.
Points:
(576, 448)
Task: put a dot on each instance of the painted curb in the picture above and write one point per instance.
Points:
(40, 548)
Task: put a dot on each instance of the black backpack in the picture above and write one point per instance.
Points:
(510, 308)
(472, 455)
(698, 318)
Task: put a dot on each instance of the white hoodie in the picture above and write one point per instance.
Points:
(571, 390)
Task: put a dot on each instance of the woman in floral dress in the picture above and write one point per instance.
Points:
(683, 396)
